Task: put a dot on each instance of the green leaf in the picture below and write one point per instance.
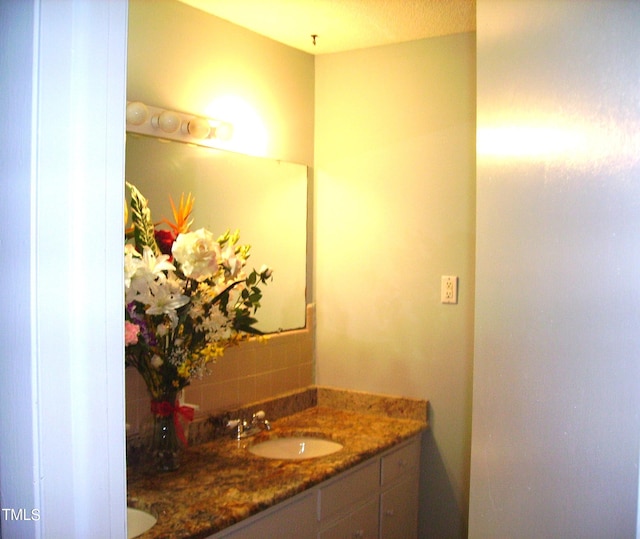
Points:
(144, 232)
(252, 330)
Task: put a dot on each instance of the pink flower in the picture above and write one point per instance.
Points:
(131, 332)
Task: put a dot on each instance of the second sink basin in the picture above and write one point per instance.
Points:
(295, 447)
(138, 522)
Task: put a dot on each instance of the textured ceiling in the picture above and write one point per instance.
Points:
(345, 24)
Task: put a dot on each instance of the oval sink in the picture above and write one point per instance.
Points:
(138, 522)
(295, 447)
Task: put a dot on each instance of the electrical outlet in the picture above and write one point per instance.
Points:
(449, 289)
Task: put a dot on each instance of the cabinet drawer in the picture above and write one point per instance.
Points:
(400, 461)
(338, 497)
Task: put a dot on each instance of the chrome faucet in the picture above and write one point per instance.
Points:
(245, 428)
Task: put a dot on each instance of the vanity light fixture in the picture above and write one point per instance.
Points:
(147, 120)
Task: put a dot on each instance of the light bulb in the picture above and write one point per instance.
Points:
(168, 121)
(137, 113)
(198, 127)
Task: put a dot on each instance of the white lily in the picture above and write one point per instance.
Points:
(166, 298)
(156, 265)
(232, 261)
(132, 262)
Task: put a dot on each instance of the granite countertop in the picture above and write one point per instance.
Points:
(220, 482)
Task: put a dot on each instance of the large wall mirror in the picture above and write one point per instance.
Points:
(263, 198)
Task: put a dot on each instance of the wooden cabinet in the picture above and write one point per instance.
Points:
(377, 499)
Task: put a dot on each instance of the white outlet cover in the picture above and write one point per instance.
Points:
(449, 289)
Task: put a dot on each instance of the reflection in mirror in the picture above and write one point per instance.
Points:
(265, 199)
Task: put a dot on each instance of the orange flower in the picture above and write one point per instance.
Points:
(181, 215)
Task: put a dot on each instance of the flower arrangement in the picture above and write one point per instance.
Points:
(188, 297)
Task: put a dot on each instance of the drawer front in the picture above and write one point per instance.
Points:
(403, 460)
(340, 496)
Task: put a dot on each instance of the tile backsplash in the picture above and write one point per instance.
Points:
(250, 372)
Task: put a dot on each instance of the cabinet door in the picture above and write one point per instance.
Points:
(365, 523)
(349, 490)
(399, 510)
(361, 524)
(296, 519)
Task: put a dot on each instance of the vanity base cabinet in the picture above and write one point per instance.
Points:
(378, 499)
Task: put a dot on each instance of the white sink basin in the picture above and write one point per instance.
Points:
(295, 447)
(138, 522)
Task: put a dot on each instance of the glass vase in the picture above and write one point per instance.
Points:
(165, 444)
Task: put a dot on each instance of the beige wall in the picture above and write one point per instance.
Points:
(183, 59)
(395, 171)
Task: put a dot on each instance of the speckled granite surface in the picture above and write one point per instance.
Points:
(220, 483)
(370, 403)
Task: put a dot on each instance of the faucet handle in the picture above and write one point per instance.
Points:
(260, 417)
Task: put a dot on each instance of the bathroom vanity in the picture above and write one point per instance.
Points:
(369, 488)
(378, 498)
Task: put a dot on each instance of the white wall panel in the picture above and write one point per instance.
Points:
(557, 327)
